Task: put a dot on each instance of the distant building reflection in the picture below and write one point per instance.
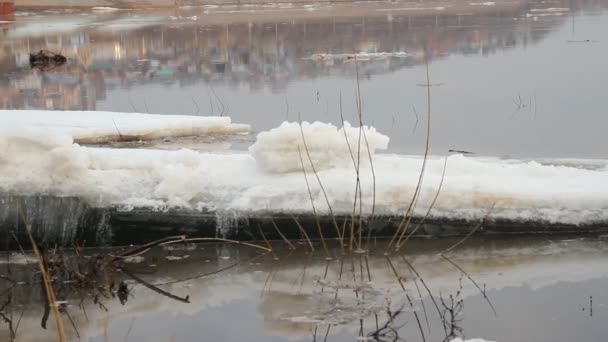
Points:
(250, 55)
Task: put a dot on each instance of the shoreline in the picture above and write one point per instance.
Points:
(111, 227)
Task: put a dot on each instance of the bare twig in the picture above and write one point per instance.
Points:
(471, 232)
(409, 213)
(48, 287)
(155, 288)
(198, 110)
(411, 267)
(281, 234)
(117, 130)
(314, 170)
(201, 239)
(312, 203)
(399, 243)
(407, 296)
(483, 292)
(312, 248)
(146, 106)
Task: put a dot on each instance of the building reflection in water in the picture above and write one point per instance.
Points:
(245, 55)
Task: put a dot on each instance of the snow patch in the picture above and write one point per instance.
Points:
(280, 149)
(104, 9)
(89, 127)
(44, 160)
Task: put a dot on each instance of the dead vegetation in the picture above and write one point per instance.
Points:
(101, 277)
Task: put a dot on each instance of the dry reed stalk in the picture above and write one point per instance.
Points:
(281, 234)
(312, 203)
(48, 286)
(312, 249)
(471, 232)
(411, 206)
(407, 296)
(352, 156)
(428, 290)
(144, 248)
(361, 132)
(399, 243)
(483, 292)
(314, 170)
(264, 237)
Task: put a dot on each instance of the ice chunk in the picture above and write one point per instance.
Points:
(88, 127)
(279, 149)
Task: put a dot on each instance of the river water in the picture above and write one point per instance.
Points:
(541, 290)
(522, 79)
(517, 79)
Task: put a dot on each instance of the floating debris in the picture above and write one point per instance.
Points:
(582, 41)
(184, 247)
(362, 56)
(45, 60)
(134, 259)
(460, 151)
(175, 257)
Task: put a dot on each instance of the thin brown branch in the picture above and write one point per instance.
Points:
(471, 232)
(155, 288)
(281, 234)
(201, 239)
(483, 292)
(314, 170)
(399, 243)
(312, 248)
(407, 217)
(312, 203)
(48, 287)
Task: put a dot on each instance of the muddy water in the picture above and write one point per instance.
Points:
(541, 290)
(521, 79)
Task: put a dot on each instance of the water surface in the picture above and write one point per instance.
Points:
(519, 79)
(541, 290)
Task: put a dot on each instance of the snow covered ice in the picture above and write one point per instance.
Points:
(92, 127)
(39, 156)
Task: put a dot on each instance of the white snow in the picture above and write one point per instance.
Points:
(101, 127)
(38, 156)
(104, 9)
(279, 149)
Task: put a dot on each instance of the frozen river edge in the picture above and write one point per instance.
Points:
(68, 220)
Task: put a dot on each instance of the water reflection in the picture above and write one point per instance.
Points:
(185, 290)
(512, 78)
(254, 55)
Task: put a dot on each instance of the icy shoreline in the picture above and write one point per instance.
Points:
(38, 157)
(36, 161)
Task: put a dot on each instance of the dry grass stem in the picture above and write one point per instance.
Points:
(48, 286)
(281, 234)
